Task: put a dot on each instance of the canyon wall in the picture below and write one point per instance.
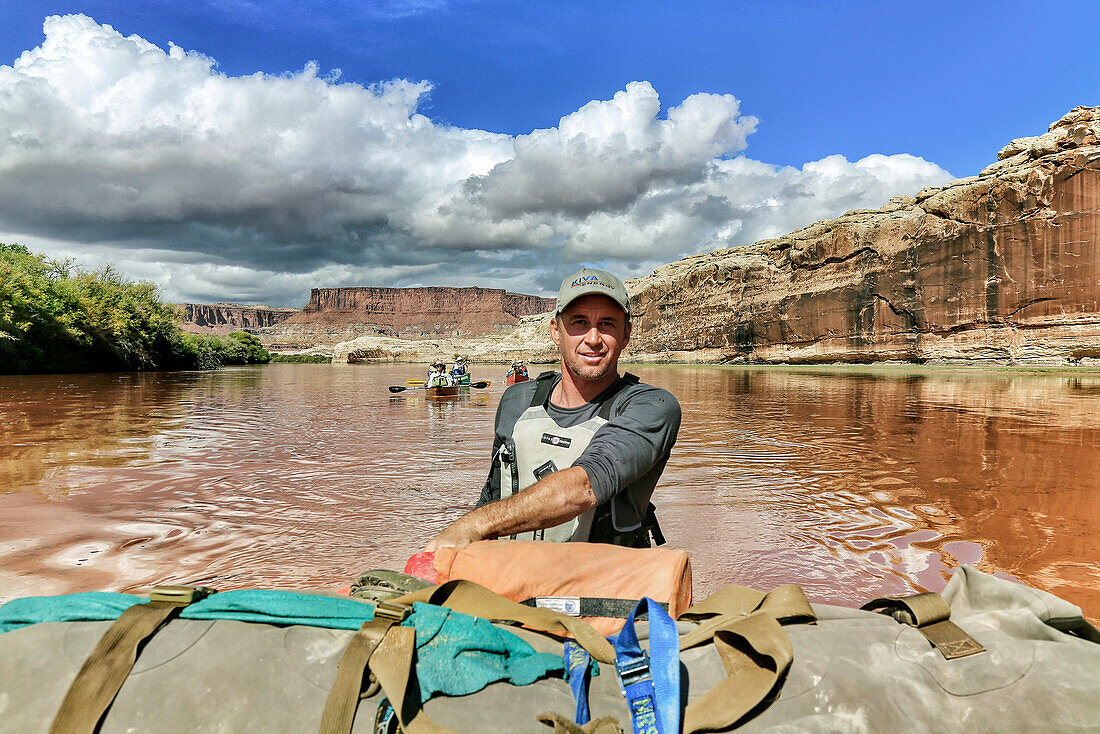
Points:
(335, 314)
(1001, 267)
(222, 318)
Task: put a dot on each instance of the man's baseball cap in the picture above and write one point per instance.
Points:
(589, 280)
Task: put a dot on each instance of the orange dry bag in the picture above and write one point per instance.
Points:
(600, 583)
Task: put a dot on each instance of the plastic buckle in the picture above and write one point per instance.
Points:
(634, 671)
(387, 610)
(182, 595)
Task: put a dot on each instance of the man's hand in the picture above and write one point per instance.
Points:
(456, 535)
(553, 500)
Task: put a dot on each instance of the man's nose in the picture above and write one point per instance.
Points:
(592, 336)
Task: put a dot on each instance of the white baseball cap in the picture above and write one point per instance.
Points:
(589, 280)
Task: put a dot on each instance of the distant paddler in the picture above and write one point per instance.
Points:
(517, 373)
(438, 376)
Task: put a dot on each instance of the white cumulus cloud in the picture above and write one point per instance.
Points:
(256, 188)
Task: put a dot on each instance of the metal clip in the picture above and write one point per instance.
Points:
(633, 671)
(182, 595)
(388, 610)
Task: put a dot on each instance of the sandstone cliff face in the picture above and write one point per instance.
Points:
(414, 313)
(1001, 267)
(222, 318)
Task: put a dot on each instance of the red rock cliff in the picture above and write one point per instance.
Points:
(222, 318)
(1004, 267)
(417, 312)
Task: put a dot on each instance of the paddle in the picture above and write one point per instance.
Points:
(480, 385)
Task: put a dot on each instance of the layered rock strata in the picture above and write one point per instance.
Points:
(414, 313)
(222, 318)
(1000, 267)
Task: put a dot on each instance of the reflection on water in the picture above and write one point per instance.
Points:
(852, 483)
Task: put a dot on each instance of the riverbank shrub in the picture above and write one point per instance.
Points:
(55, 317)
(302, 358)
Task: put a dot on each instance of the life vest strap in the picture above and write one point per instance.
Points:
(101, 676)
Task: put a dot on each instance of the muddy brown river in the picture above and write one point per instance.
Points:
(850, 482)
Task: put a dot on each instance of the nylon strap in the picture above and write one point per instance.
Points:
(578, 670)
(392, 665)
(651, 683)
(756, 654)
(590, 606)
(105, 670)
(470, 598)
(930, 614)
(343, 698)
(787, 603)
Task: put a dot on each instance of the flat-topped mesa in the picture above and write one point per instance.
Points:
(1000, 267)
(414, 313)
(223, 318)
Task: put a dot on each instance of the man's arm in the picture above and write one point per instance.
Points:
(551, 501)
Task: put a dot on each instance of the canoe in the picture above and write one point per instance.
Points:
(463, 380)
(446, 391)
(513, 378)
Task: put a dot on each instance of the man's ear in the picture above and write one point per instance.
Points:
(626, 336)
(554, 333)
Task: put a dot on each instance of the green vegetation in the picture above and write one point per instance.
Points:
(302, 358)
(55, 317)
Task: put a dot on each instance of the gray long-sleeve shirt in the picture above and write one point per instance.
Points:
(636, 441)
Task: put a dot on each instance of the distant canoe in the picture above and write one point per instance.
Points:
(513, 378)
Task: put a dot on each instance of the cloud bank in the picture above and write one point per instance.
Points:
(257, 188)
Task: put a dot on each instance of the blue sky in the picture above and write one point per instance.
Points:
(930, 90)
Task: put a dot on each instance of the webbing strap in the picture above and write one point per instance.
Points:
(787, 604)
(105, 670)
(392, 665)
(577, 671)
(343, 698)
(756, 654)
(651, 683)
(930, 614)
(590, 606)
(470, 598)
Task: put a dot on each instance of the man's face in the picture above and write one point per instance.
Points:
(592, 333)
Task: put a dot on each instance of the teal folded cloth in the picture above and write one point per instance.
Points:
(245, 605)
(457, 654)
(89, 606)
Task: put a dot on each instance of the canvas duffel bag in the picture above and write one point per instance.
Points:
(989, 655)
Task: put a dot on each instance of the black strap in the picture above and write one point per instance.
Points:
(594, 606)
(653, 526)
(546, 381)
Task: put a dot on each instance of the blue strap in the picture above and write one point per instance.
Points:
(651, 683)
(577, 669)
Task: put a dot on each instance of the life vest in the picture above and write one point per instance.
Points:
(539, 447)
(438, 379)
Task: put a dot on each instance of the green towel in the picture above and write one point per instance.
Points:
(457, 654)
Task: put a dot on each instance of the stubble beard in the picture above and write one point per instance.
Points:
(585, 371)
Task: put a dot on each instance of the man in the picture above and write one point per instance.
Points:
(438, 376)
(577, 455)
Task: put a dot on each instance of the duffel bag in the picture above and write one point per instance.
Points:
(987, 655)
